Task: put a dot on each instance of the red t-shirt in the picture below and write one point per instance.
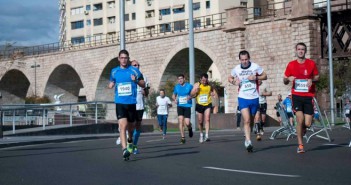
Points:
(302, 72)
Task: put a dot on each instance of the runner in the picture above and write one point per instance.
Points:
(303, 74)
(141, 94)
(261, 115)
(182, 97)
(163, 103)
(125, 79)
(287, 104)
(203, 92)
(278, 104)
(246, 76)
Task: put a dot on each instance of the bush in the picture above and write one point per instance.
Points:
(37, 100)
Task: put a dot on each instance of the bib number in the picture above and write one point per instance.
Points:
(301, 86)
(183, 100)
(288, 109)
(203, 98)
(247, 86)
(124, 89)
(162, 108)
(347, 111)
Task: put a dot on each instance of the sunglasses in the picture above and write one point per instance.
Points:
(136, 65)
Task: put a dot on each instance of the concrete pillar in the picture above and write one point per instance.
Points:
(302, 9)
(236, 17)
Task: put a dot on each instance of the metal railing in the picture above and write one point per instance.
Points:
(335, 5)
(269, 9)
(45, 115)
(204, 22)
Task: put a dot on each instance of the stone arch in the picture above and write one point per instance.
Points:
(14, 87)
(63, 79)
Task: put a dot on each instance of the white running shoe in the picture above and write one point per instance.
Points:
(201, 140)
(118, 141)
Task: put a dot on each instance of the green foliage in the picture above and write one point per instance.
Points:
(150, 103)
(168, 87)
(323, 82)
(37, 100)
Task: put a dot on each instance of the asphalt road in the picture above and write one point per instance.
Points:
(223, 160)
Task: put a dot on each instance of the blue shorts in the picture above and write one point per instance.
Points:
(252, 104)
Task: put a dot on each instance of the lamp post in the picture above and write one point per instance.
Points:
(35, 77)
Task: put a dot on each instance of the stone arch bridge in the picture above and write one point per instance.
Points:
(84, 71)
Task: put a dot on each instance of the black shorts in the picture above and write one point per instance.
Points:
(348, 115)
(303, 103)
(184, 111)
(139, 115)
(278, 115)
(202, 108)
(263, 108)
(126, 111)
(290, 114)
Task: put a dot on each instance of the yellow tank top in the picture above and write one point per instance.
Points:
(204, 96)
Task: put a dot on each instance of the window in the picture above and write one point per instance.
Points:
(126, 17)
(77, 40)
(76, 11)
(179, 10)
(87, 7)
(257, 12)
(97, 7)
(208, 21)
(165, 27)
(150, 13)
(165, 11)
(197, 23)
(98, 22)
(111, 4)
(243, 4)
(111, 20)
(179, 25)
(196, 6)
(208, 5)
(77, 25)
(133, 16)
(88, 22)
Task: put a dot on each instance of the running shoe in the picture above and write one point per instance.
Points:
(118, 141)
(126, 154)
(258, 137)
(207, 139)
(182, 140)
(300, 149)
(201, 139)
(190, 129)
(163, 136)
(135, 149)
(248, 146)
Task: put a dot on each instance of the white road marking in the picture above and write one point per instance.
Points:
(251, 172)
(329, 144)
(154, 140)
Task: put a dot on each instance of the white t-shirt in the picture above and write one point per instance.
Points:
(140, 96)
(262, 88)
(247, 88)
(162, 103)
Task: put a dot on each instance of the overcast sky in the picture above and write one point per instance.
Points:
(29, 22)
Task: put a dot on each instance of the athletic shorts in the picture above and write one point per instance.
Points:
(126, 111)
(184, 111)
(303, 103)
(278, 115)
(263, 108)
(202, 108)
(139, 115)
(290, 114)
(348, 115)
(252, 104)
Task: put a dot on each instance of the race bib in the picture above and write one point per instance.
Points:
(124, 89)
(183, 100)
(347, 111)
(203, 98)
(301, 86)
(247, 85)
(288, 109)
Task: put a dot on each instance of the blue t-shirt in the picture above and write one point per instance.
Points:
(287, 104)
(182, 93)
(125, 88)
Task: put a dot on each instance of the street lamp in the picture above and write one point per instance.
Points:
(35, 77)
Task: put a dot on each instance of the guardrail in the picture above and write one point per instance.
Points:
(269, 9)
(57, 114)
(335, 5)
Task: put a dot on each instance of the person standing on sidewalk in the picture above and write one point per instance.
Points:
(182, 97)
(163, 103)
(246, 76)
(203, 92)
(302, 73)
(125, 80)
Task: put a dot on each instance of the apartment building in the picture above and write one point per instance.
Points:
(84, 20)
